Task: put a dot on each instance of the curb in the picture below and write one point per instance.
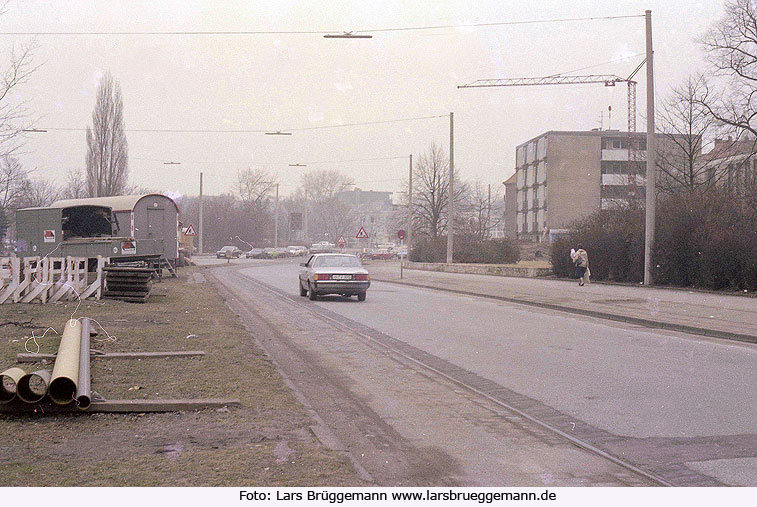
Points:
(654, 324)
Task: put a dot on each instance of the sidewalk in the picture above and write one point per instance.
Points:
(707, 314)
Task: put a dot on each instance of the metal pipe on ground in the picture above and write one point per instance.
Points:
(83, 386)
(66, 370)
(32, 387)
(9, 384)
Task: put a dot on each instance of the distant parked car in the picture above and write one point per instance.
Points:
(254, 253)
(380, 254)
(274, 253)
(229, 252)
(322, 247)
(296, 251)
(333, 274)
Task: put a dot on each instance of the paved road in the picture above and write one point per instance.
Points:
(668, 401)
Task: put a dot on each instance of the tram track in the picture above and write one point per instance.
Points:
(563, 426)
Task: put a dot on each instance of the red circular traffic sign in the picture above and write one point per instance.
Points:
(401, 234)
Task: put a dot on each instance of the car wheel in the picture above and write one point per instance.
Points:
(361, 296)
(303, 290)
(311, 293)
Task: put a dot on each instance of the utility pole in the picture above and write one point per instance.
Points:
(276, 220)
(488, 211)
(305, 225)
(199, 229)
(451, 218)
(409, 233)
(651, 202)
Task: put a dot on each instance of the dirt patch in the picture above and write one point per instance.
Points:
(265, 442)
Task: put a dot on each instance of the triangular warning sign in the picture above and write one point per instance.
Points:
(361, 234)
(190, 231)
(341, 239)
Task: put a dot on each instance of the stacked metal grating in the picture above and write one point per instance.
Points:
(128, 283)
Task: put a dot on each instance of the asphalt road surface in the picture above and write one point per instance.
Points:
(677, 406)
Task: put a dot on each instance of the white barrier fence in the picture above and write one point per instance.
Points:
(50, 279)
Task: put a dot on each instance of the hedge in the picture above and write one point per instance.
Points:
(703, 239)
(466, 250)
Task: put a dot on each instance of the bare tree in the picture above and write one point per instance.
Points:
(38, 193)
(254, 186)
(76, 185)
(731, 45)
(481, 214)
(328, 214)
(686, 124)
(12, 112)
(322, 185)
(107, 149)
(13, 179)
(431, 191)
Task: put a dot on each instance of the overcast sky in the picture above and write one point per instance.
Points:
(288, 81)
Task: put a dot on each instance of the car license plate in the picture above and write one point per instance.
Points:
(341, 277)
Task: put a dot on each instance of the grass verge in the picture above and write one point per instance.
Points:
(266, 442)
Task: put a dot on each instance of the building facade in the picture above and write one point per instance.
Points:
(373, 212)
(561, 176)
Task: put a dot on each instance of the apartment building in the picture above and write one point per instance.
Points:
(561, 176)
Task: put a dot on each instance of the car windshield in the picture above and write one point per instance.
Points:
(336, 261)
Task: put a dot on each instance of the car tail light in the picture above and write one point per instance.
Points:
(321, 277)
(362, 277)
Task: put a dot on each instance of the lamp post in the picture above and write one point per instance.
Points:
(451, 186)
(651, 202)
(199, 228)
(409, 232)
(276, 220)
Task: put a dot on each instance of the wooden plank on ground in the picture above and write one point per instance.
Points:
(161, 405)
(119, 406)
(33, 358)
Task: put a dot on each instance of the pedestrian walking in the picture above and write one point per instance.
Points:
(581, 259)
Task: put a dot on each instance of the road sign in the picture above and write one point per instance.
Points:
(341, 242)
(401, 234)
(361, 234)
(190, 231)
(295, 221)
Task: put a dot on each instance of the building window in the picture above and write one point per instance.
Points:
(614, 144)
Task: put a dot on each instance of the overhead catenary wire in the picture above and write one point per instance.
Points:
(323, 32)
(263, 131)
(617, 60)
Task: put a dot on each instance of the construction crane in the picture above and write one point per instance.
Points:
(559, 79)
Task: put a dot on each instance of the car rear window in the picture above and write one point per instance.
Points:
(336, 261)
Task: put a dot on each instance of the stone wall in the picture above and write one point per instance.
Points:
(481, 269)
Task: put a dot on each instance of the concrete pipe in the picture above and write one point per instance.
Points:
(66, 369)
(83, 386)
(8, 384)
(32, 387)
